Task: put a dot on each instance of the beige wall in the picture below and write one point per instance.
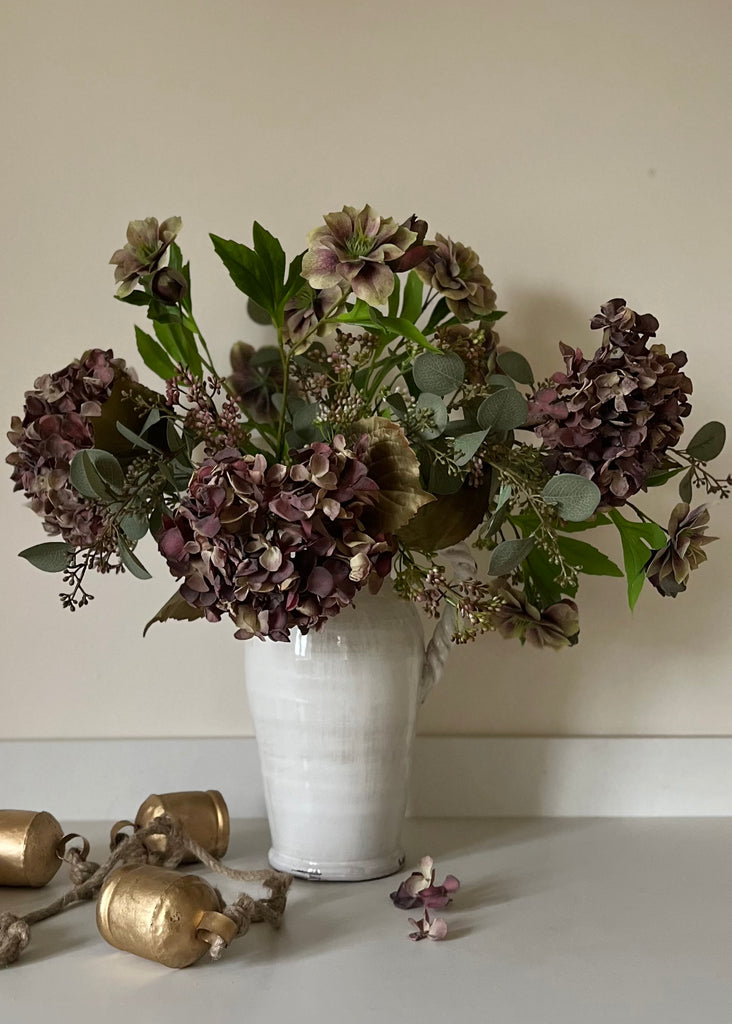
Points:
(583, 148)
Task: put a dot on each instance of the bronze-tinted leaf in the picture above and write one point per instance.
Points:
(175, 608)
(447, 520)
(395, 468)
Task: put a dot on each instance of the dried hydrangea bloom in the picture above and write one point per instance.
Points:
(58, 421)
(275, 547)
(427, 928)
(454, 270)
(670, 567)
(355, 247)
(611, 418)
(420, 890)
(147, 242)
(556, 626)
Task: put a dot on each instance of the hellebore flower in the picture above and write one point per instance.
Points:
(454, 270)
(670, 566)
(427, 929)
(611, 418)
(306, 309)
(58, 421)
(147, 242)
(419, 890)
(354, 247)
(556, 626)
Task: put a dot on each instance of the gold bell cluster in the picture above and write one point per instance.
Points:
(144, 907)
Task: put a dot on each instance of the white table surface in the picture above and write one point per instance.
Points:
(571, 920)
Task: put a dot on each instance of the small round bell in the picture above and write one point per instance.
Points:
(29, 841)
(203, 815)
(161, 915)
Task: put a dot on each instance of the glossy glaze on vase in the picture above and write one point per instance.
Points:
(334, 714)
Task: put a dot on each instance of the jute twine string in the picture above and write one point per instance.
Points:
(87, 879)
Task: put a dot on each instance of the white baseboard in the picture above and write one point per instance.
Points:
(452, 777)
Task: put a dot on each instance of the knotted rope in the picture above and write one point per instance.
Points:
(463, 565)
(87, 879)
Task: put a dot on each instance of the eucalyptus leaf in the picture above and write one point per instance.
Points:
(438, 373)
(53, 556)
(442, 481)
(434, 405)
(466, 445)
(516, 366)
(397, 403)
(575, 497)
(130, 560)
(685, 490)
(509, 554)
(503, 410)
(134, 526)
(499, 380)
(96, 474)
(708, 442)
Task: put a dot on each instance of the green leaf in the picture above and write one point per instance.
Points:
(438, 314)
(442, 481)
(54, 556)
(503, 410)
(497, 520)
(437, 407)
(662, 476)
(412, 303)
(175, 256)
(517, 367)
(272, 255)
(575, 497)
(246, 271)
(134, 526)
(587, 558)
(176, 608)
(707, 443)
(130, 560)
(303, 419)
(466, 445)
(636, 552)
(162, 312)
(508, 555)
(180, 344)
(499, 380)
(294, 280)
(438, 373)
(137, 298)
(154, 355)
(447, 520)
(96, 474)
(685, 492)
(398, 325)
(137, 441)
(393, 306)
(397, 403)
(543, 587)
(257, 314)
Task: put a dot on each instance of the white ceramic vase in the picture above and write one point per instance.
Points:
(334, 714)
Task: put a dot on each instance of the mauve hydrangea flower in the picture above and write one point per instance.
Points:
(427, 928)
(670, 567)
(147, 242)
(355, 247)
(611, 418)
(58, 421)
(419, 890)
(454, 270)
(275, 547)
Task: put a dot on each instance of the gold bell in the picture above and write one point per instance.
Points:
(161, 915)
(203, 815)
(29, 841)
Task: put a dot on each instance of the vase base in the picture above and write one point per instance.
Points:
(335, 871)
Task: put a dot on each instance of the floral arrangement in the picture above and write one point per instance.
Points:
(385, 425)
